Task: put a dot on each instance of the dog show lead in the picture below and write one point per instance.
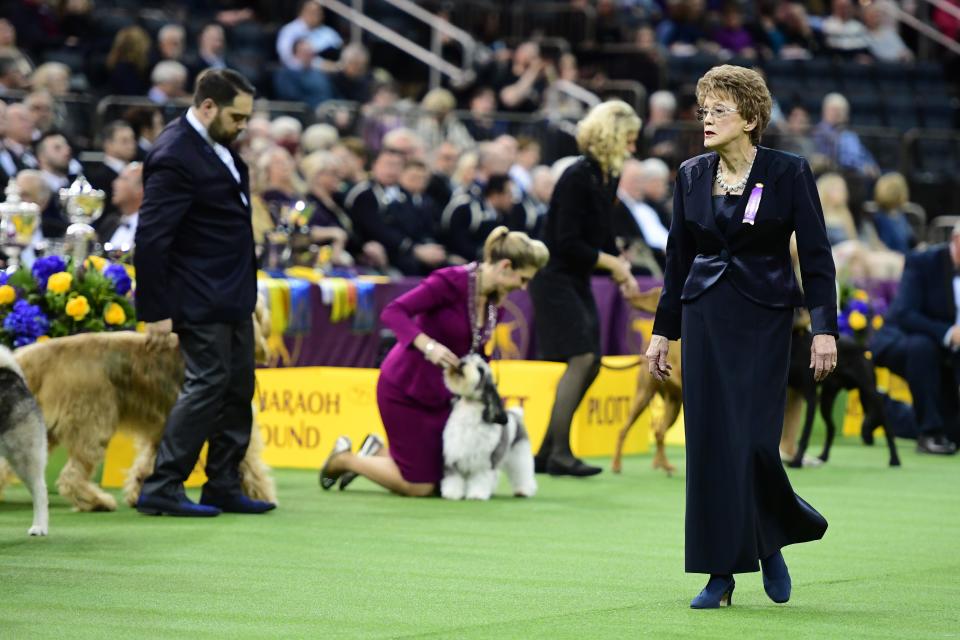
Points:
(450, 314)
(729, 292)
(579, 234)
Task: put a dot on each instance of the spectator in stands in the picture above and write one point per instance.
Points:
(557, 103)
(172, 44)
(20, 125)
(53, 159)
(450, 314)
(884, 40)
(796, 138)
(147, 123)
(521, 85)
(438, 124)
(467, 221)
(646, 42)
(891, 194)
(43, 110)
(411, 220)
(731, 34)
(119, 150)
(920, 341)
(52, 77)
(445, 157)
(8, 167)
(835, 141)
(659, 136)
(481, 125)
(329, 223)
(542, 183)
(319, 137)
(276, 188)
(118, 230)
(305, 83)
(169, 80)
(381, 115)
(324, 41)
(406, 142)
(12, 78)
(579, 233)
(211, 49)
(799, 40)
(683, 32)
(353, 80)
(33, 188)
(638, 226)
(845, 35)
(465, 175)
(526, 158)
(351, 161)
(368, 201)
(128, 62)
(285, 131)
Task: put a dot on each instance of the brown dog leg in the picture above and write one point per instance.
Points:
(255, 478)
(141, 468)
(74, 482)
(640, 402)
(671, 409)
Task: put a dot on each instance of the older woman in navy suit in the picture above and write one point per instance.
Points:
(729, 291)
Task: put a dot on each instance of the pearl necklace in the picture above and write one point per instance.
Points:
(736, 187)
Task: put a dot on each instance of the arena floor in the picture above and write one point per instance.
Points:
(600, 558)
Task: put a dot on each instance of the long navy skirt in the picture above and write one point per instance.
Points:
(740, 505)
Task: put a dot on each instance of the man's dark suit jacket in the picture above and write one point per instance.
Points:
(195, 255)
(924, 303)
(755, 258)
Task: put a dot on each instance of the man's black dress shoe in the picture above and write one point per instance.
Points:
(571, 467)
(235, 503)
(159, 505)
(938, 445)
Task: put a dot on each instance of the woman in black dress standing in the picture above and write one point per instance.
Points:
(729, 289)
(579, 234)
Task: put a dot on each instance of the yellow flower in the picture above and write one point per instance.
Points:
(42, 338)
(78, 308)
(877, 322)
(7, 294)
(97, 262)
(141, 327)
(59, 282)
(113, 314)
(131, 271)
(861, 295)
(857, 321)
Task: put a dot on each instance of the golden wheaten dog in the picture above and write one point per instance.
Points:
(89, 386)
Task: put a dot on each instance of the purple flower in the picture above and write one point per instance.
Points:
(3, 278)
(859, 305)
(118, 274)
(46, 267)
(26, 322)
(843, 324)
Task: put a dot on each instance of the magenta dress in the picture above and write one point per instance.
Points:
(414, 403)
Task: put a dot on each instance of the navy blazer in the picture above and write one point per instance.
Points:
(924, 303)
(755, 258)
(194, 244)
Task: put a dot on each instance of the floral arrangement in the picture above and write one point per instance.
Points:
(859, 315)
(55, 299)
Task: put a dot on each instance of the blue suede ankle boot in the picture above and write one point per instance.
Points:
(776, 578)
(717, 593)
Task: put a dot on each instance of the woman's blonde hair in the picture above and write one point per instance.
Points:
(891, 191)
(515, 246)
(831, 187)
(438, 101)
(53, 77)
(131, 44)
(605, 131)
(746, 88)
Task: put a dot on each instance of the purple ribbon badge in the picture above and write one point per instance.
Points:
(753, 204)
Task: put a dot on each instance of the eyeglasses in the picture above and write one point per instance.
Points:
(718, 113)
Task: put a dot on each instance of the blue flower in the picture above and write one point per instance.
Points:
(26, 322)
(3, 278)
(859, 305)
(118, 274)
(46, 267)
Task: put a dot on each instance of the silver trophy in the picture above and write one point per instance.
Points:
(83, 204)
(18, 222)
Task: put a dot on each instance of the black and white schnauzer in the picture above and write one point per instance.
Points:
(23, 438)
(481, 437)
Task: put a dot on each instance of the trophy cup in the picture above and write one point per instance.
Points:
(83, 204)
(18, 222)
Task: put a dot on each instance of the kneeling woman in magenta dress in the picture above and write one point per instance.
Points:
(451, 314)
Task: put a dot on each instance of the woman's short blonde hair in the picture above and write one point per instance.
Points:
(891, 191)
(604, 132)
(746, 88)
(438, 101)
(316, 162)
(515, 246)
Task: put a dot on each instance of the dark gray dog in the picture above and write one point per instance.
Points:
(23, 438)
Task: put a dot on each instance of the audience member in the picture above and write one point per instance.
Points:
(445, 157)
(329, 223)
(285, 131)
(323, 40)
(731, 35)
(119, 150)
(467, 221)
(368, 201)
(54, 157)
(20, 125)
(304, 83)
(33, 188)
(638, 225)
(520, 85)
(52, 77)
(353, 81)
(891, 194)
(844, 34)
(119, 228)
(147, 123)
(211, 49)
(884, 41)
(12, 76)
(319, 137)
(834, 140)
(128, 61)
(438, 124)
(481, 125)
(169, 80)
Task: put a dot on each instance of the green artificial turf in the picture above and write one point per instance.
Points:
(585, 559)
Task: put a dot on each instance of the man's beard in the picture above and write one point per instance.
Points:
(218, 135)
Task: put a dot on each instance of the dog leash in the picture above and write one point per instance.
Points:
(624, 367)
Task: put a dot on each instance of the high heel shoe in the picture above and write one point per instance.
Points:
(718, 593)
(776, 578)
(341, 445)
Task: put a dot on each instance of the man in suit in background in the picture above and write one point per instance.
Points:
(119, 150)
(920, 341)
(637, 223)
(196, 275)
(119, 229)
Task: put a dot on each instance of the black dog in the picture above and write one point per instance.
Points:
(854, 371)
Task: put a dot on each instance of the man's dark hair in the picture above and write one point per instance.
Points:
(221, 86)
(111, 129)
(496, 184)
(7, 63)
(140, 118)
(53, 133)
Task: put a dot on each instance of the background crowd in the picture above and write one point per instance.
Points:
(357, 166)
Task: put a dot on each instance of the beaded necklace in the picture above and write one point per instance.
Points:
(481, 334)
